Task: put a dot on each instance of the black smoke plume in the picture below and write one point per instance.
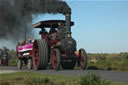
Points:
(16, 15)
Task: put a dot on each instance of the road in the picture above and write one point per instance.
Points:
(108, 75)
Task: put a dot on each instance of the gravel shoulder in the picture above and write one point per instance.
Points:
(7, 71)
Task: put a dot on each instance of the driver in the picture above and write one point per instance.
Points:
(5, 51)
(61, 31)
(29, 40)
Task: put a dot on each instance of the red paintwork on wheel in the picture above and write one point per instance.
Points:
(35, 55)
(82, 61)
(54, 59)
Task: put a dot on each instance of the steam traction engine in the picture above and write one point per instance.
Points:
(4, 60)
(57, 47)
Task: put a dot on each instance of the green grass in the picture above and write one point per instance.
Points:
(121, 65)
(13, 62)
(29, 78)
(118, 83)
(117, 62)
(93, 79)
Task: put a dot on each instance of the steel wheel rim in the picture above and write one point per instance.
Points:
(55, 58)
(36, 55)
(83, 61)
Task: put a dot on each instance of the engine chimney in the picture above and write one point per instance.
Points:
(68, 25)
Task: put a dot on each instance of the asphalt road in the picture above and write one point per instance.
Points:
(108, 75)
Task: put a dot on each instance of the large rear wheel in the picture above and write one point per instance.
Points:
(83, 59)
(68, 65)
(56, 59)
(40, 54)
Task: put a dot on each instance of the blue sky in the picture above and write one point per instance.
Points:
(101, 26)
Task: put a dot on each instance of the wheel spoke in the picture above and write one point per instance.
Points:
(83, 60)
(56, 59)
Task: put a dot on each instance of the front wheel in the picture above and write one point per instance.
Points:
(20, 64)
(29, 64)
(56, 59)
(83, 59)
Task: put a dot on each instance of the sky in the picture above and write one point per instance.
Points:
(101, 26)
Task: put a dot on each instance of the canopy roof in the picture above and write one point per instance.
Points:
(50, 23)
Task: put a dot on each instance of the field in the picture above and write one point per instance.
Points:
(113, 61)
(29, 78)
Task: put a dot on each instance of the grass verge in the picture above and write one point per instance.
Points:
(29, 78)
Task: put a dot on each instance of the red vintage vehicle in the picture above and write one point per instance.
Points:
(56, 47)
(3, 58)
(24, 54)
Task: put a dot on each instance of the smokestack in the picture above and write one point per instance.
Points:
(68, 25)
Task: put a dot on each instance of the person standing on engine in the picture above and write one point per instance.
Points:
(61, 31)
(29, 40)
(5, 52)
